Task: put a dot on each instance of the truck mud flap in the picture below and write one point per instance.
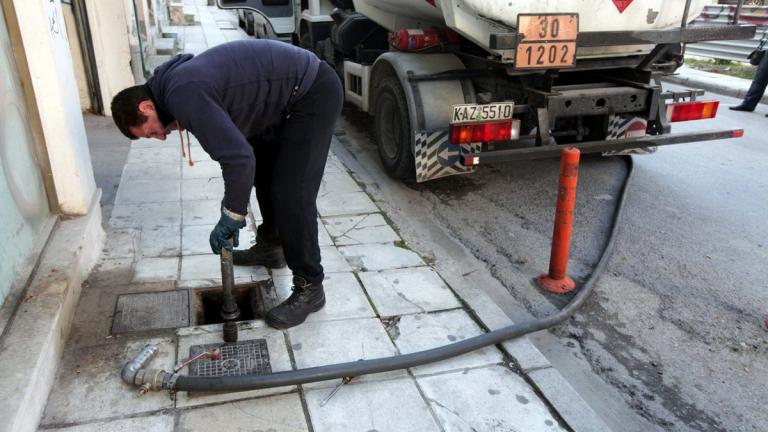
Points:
(627, 126)
(436, 157)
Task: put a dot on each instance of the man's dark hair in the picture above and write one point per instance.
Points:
(125, 109)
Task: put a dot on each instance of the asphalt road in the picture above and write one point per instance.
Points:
(674, 336)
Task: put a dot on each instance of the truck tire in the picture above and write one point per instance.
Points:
(393, 130)
(250, 26)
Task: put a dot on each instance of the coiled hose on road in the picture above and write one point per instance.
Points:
(169, 381)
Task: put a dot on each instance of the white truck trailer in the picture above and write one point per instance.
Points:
(453, 84)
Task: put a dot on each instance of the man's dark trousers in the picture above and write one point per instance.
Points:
(289, 169)
(756, 90)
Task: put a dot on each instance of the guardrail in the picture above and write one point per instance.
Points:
(736, 50)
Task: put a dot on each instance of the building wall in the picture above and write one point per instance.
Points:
(77, 58)
(49, 60)
(109, 30)
(23, 201)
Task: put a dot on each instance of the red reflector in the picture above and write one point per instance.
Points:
(505, 130)
(738, 133)
(470, 161)
(698, 110)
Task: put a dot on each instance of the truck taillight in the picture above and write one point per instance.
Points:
(698, 110)
(505, 130)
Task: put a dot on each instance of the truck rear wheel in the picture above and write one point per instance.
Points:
(393, 130)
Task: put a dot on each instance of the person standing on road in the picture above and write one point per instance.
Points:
(759, 83)
(266, 111)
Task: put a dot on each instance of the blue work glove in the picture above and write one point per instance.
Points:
(228, 228)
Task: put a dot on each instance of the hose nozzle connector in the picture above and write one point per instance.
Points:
(153, 379)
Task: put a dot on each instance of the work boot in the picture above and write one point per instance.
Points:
(305, 299)
(741, 108)
(262, 253)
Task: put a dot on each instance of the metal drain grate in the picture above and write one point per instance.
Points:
(249, 357)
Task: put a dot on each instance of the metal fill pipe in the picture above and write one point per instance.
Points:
(229, 310)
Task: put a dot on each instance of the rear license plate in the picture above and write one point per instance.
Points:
(547, 41)
(471, 113)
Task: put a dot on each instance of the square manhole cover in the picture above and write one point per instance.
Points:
(151, 311)
(249, 357)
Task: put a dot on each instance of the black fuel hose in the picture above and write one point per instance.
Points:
(386, 364)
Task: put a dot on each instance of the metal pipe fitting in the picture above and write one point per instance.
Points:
(229, 310)
(153, 379)
(137, 363)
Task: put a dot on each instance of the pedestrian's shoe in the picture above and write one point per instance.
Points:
(305, 299)
(741, 108)
(262, 253)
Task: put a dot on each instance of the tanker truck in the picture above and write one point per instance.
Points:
(454, 84)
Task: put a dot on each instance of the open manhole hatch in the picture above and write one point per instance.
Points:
(253, 301)
(248, 357)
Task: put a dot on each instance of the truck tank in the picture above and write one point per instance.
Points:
(477, 19)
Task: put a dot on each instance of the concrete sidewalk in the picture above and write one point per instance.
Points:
(156, 283)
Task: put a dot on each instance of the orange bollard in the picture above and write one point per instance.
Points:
(557, 281)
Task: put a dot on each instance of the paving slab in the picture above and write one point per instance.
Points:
(333, 165)
(331, 259)
(205, 271)
(112, 272)
(380, 257)
(194, 239)
(160, 242)
(344, 297)
(424, 331)
(488, 399)
(281, 413)
(158, 154)
(139, 192)
(152, 171)
(201, 170)
(278, 357)
(156, 269)
(331, 342)
(360, 229)
(88, 385)
(323, 239)
(145, 143)
(203, 189)
(349, 203)
(407, 291)
(121, 243)
(160, 423)
(338, 182)
(201, 212)
(146, 215)
(381, 406)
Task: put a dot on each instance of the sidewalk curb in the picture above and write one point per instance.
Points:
(712, 82)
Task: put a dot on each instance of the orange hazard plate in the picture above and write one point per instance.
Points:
(547, 41)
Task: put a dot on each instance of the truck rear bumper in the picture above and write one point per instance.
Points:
(545, 151)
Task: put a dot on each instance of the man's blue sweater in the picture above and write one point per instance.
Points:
(229, 93)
